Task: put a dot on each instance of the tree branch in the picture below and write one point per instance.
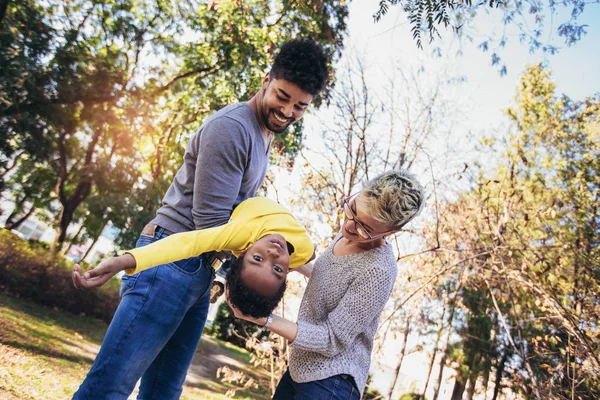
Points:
(206, 71)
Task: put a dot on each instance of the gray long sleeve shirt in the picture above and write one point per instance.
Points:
(339, 314)
(225, 162)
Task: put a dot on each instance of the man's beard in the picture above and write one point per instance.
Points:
(265, 117)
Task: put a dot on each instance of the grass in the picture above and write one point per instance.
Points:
(45, 354)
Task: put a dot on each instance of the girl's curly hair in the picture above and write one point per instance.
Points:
(247, 300)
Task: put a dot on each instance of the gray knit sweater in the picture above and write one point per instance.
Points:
(339, 314)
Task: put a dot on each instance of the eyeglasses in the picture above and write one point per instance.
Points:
(360, 228)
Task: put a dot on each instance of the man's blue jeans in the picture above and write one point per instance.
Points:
(338, 387)
(154, 333)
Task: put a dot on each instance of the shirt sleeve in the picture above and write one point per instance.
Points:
(179, 246)
(364, 300)
(303, 251)
(221, 161)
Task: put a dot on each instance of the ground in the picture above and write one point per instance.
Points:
(45, 353)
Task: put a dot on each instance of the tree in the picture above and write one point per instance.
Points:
(370, 134)
(25, 42)
(32, 184)
(527, 235)
(122, 83)
(529, 17)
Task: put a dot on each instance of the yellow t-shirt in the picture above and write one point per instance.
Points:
(251, 220)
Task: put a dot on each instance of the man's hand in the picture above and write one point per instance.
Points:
(102, 273)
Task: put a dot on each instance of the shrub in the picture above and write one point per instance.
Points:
(33, 272)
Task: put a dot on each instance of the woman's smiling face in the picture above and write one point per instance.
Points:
(358, 225)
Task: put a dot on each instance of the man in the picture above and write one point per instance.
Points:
(157, 326)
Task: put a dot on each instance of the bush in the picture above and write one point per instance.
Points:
(33, 272)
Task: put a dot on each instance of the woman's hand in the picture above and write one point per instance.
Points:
(102, 272)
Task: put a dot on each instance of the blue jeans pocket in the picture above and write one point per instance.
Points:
(144, 241)
(127, 283)
(187, 266)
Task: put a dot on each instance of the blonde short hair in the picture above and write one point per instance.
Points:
(394, 197)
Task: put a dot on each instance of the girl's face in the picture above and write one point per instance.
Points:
(266, 264)
(358, 225)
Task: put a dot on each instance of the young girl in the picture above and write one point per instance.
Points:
(265, 237)
(330, 349)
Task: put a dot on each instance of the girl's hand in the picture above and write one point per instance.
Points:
(102, 272)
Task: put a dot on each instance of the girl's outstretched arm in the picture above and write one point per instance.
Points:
(99, 275)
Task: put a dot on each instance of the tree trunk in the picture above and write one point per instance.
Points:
(459, 388)
(81, 192)
(487, 365)
(499, 372)
(64, 220)
(89, 249)
(471, 386)
(13, 214)
(65, 217)
(15, 225)
(460, 384)
(74, 240)
(438, 383)
(4, 173)
(402, 352)
(3, 7)
(435, 349)
(487, 360)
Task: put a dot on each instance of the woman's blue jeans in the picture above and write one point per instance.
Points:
(154, 332)
(338, 387)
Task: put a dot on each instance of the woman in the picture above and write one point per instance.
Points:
(349, 285)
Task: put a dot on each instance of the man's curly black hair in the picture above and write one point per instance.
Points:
(304, 63)
(247, 300)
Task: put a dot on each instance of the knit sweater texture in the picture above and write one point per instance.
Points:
(339, 314)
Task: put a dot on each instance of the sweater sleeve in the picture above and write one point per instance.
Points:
(179, 246)
(221, 161)
(361, 304)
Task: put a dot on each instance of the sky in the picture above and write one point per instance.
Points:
(479, 99)
(575, 69)
(485, 94)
